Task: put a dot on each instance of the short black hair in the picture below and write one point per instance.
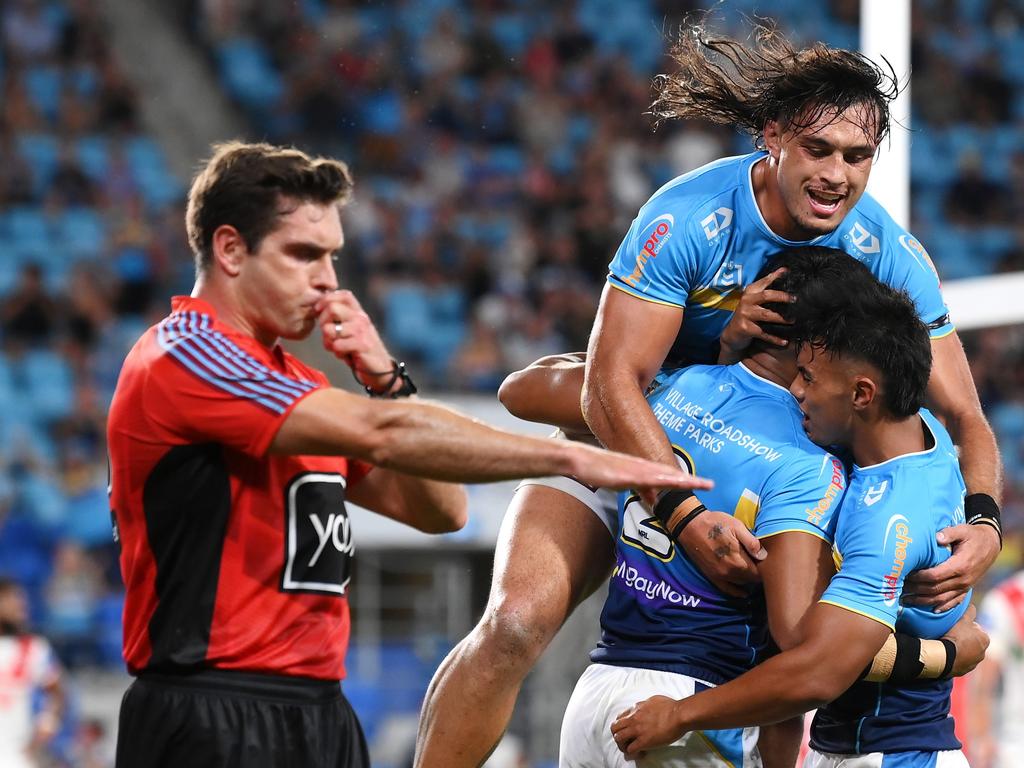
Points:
(844, 310)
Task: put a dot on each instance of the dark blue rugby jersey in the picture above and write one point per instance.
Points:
(747, 434)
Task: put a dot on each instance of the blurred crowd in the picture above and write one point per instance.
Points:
(500, 149)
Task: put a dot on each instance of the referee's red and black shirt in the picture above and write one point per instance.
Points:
(232, 558)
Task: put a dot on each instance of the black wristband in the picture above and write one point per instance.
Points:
(981, 509)
(907, 667)
(667, 502)
(678, 529)
(397, 372)
(950, 658)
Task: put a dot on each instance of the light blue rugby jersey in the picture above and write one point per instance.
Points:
(701, 238)
(886, 529)
(745, 432)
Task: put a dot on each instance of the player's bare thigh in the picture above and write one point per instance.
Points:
(552, 552)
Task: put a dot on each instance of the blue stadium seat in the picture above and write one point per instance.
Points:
(381, 113)
(42, 153)
(82, 233)
(108, 627)
(249, 74)
(512, 32)
(44, 85)
(93, 154)
(29, 232)
(407, 315)
(48, 378)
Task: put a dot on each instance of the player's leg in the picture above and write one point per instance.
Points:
(553, 551)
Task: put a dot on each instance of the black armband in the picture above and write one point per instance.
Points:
(981, 509)
(397, 372)
(950, 658)
(907, 667)
(667, 502)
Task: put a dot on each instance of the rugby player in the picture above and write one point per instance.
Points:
(681, 280)
(863, 369)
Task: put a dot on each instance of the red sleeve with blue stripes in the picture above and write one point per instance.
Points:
(206, 387)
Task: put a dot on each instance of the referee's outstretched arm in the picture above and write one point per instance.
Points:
(432, 441)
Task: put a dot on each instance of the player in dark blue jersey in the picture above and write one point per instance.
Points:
(863, 372)
(682, 279)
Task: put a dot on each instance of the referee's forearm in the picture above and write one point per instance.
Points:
(418, 438)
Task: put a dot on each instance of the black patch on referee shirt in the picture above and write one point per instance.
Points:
(318, 535)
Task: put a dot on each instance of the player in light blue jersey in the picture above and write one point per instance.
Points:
(685, 270)
(863, 372)
(683, 276)
(666, 628)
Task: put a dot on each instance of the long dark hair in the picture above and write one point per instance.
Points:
(743, 86)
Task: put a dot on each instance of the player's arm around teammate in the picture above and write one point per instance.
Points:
(953, 398)
(784, 685)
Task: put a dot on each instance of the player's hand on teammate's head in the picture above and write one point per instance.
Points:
(350, 335)
(975, 548)
(647, 725)
(725, 551)
(971, 642)
(620, 471)
(751, 316)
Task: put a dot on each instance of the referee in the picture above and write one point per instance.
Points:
(231, 464)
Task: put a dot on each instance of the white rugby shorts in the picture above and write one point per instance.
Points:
(604, 691)
(601, 501)
(952, 758)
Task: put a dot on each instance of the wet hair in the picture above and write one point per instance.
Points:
(726, 82)
(249, 185)
(844, 310)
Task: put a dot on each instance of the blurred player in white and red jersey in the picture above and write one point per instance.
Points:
(27, 663)
(996, 713)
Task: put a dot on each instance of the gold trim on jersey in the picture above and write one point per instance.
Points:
(712, 298)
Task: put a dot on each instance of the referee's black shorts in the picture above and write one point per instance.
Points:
(226, 719)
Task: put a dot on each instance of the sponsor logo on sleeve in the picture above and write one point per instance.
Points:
(863, 241)
(835, 489)
(915, 249)
(716, 222)
(654, 237)
(874, 494)
(899, 529)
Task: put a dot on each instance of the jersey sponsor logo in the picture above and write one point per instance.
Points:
(658, 232)
(652, 589)
(691, 421)
(874, 494)
(716, 223)
(645, 532)
(863, 241)
(835, 489)
(899, 527)
(318, 539)
(915, 249)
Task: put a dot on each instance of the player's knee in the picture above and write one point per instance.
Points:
(518, 630)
